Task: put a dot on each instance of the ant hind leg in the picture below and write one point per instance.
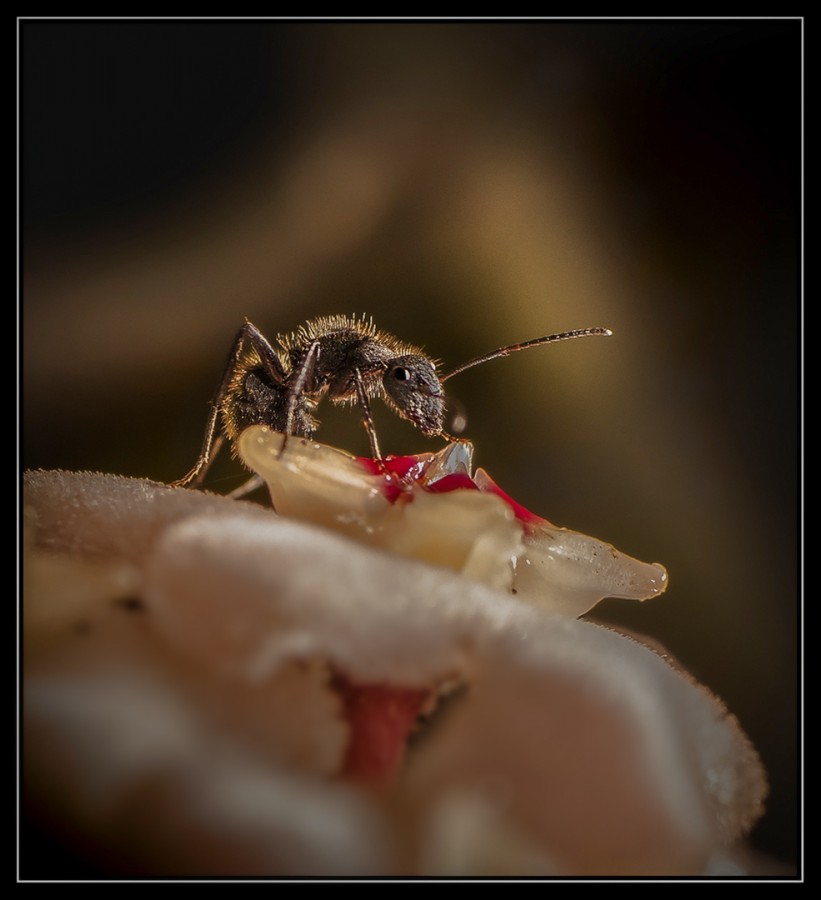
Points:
(212, 442)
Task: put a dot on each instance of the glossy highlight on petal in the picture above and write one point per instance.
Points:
(571, 572)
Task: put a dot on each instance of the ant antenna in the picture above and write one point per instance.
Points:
(536, 342)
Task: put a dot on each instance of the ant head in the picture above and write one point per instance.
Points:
(412, 386)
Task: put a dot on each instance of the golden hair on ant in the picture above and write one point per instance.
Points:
(347, 359)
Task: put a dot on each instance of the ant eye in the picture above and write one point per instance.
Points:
(401, 374)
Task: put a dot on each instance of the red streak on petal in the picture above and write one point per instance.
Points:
(523, 514)
(400, 466)
(456, 481)
(407, 468)
(381, 717)
(411, 469)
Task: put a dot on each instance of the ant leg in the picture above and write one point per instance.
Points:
(367, 420)
(254, 482)
(212, 441)
(210, 448)
(296, 391)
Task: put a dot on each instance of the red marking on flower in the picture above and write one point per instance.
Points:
(403, 469)
(381, 718)
(456, 481)
(411, 469)
(522, 513)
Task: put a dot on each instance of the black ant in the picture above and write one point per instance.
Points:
(345, 358)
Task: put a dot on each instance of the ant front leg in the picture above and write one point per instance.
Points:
(297, 390)
(367, 420)
(212, 442)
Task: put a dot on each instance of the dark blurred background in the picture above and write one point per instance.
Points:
(470, 185)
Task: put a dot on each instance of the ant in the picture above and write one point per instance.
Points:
(345, 358)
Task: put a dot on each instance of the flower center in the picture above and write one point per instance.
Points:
(381, 718)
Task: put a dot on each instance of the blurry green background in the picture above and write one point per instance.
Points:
(470, 185)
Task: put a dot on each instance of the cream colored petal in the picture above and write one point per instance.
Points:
(196, 729)
(593, 749)
(570, 573)
(130, 775)
(472, 532)
(466, 531)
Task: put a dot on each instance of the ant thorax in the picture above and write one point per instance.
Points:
(323, 358)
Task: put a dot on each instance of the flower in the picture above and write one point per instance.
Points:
(215, 689)
(433, 507)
